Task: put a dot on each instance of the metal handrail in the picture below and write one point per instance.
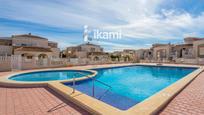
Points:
(96, 80)
(73, 85)
(93, 88)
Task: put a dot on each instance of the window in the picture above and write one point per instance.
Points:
(92, 49)
(23, 44)
(201, 51)
(29, 57)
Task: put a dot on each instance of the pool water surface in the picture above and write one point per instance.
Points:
(49, 75)
(130, 85)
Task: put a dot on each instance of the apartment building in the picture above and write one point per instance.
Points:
(28, 46)
(86, 53)
(162, 51)
(6, 46)
(191, 51)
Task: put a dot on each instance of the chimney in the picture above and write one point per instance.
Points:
(29, 33)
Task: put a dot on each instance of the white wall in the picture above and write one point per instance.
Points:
(37, 42)
(195, 47)
(5, 63)
(88, 48)
(56, 52)
(5, 50)
(81, 54)
(166, 48)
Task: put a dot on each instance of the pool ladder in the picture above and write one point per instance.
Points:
(93, 85)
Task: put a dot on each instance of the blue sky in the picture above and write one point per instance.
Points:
(143, 22)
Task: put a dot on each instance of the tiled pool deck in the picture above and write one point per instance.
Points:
(190, 101)
(43, 101)
(35, 101)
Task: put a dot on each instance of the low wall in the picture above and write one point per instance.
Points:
(8, 63)
(199, 61)
(5, 63)
(48, 63)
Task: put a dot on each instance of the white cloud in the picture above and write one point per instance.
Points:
(172, 26)
(74, 14)
(137, 19)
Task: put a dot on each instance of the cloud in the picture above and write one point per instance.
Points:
(168, 25)
(138, 19)
(62, 13)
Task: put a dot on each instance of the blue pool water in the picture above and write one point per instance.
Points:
(131, 85)
(49, 75)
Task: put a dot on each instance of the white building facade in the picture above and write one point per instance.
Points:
(28, 46)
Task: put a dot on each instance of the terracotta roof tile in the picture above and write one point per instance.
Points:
(36, 49)
(29, 35)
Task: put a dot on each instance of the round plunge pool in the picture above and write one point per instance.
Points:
(50, 75)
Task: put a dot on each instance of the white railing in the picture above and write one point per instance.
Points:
(199, 61)
(17, 63)
(5, 63)
(93, 85)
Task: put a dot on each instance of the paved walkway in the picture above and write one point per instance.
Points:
(35, 101)
(190, 101)
(4, 73)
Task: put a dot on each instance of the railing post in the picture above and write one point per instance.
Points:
(73, 85)
(93, 88)
(93, 85)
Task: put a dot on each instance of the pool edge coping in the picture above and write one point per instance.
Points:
(150, 105)
(5, 81)
(158, 101)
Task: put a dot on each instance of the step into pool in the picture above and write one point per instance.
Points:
(131, 84)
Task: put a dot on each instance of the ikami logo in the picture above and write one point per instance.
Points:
(97, 34)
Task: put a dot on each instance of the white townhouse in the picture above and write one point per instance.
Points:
(87, 53)
(83, 50)
(28, 46)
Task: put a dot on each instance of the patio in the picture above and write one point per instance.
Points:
(35, 101)
(189, 101)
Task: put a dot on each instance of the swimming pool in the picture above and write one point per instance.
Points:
(130, 85)
(49, 75)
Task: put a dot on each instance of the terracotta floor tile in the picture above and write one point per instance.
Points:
(35, 101)
(189, 101)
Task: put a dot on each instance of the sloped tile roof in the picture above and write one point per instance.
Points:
(30, 36)
(36, 49)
